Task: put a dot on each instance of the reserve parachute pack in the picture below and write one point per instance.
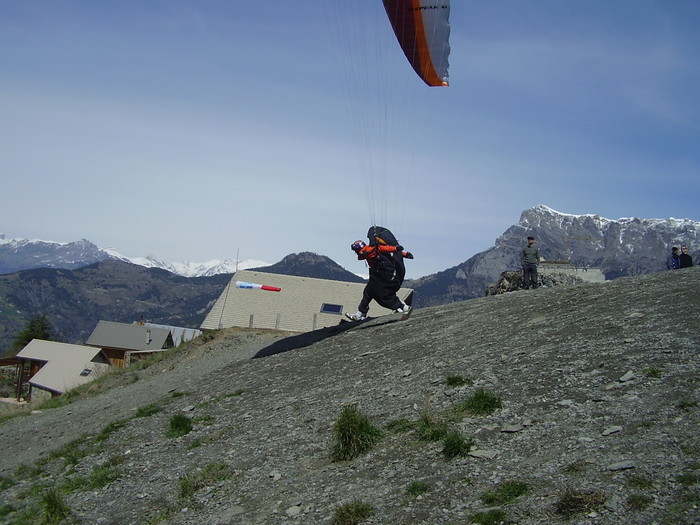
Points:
(379, 235)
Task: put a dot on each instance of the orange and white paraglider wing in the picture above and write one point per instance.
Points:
(422, 28)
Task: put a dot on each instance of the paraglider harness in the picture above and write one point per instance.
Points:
(387, 262)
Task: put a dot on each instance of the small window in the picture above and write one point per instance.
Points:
(336, 309)
(85, 372)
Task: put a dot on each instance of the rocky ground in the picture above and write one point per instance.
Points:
(598, 421)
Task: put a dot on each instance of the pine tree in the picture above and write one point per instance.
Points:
(38, 327)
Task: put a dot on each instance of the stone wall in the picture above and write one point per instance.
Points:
(548, 275)
(589, 275)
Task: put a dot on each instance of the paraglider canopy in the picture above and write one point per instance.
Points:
(386, 100)
(423, 30)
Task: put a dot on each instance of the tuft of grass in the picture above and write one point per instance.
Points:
(688, 478)
(468, 481)
(455, 380)
(417, 488)
(576, 467)
(504, 493)
(71, 452)
(573, 502)
(400, 426)
(352, 513)
(6, 509)
(26, 472)
(652, 372)
(455, 444)
(55, 509)
(5, 482)
(481, 403)
(206, 419)
(431, 427)
(639, 482)
(354, 434)
(236, 393)
(198, 442)
(179, 425)
(100, 477)
(692, 451)
(147, 410)
(686, 404)
(490, 517)
(109, 429)
(209, 475)
(639, 501)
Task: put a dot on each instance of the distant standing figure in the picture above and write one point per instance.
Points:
(686, 260)
(530, 259)
(673, 262)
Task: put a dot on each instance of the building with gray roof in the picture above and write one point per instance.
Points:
(58, 367)
(123, 343)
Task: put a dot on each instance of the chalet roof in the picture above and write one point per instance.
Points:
(137, 337)
(65, 366)
(304, 304)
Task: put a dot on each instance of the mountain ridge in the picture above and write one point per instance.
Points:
(23, 254)
(53, 254)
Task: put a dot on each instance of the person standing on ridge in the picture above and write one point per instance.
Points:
(530, 259)
(386, 274)
(673, 262)
(685, 259)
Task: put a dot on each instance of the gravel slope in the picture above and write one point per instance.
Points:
(598, 384)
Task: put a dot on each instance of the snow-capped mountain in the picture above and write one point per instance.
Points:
(627, 246)
(24, 254)
(622, 247)
(194, 269)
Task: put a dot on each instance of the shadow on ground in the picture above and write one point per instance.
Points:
(295, 342)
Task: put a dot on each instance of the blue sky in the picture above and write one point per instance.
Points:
(199, 130)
